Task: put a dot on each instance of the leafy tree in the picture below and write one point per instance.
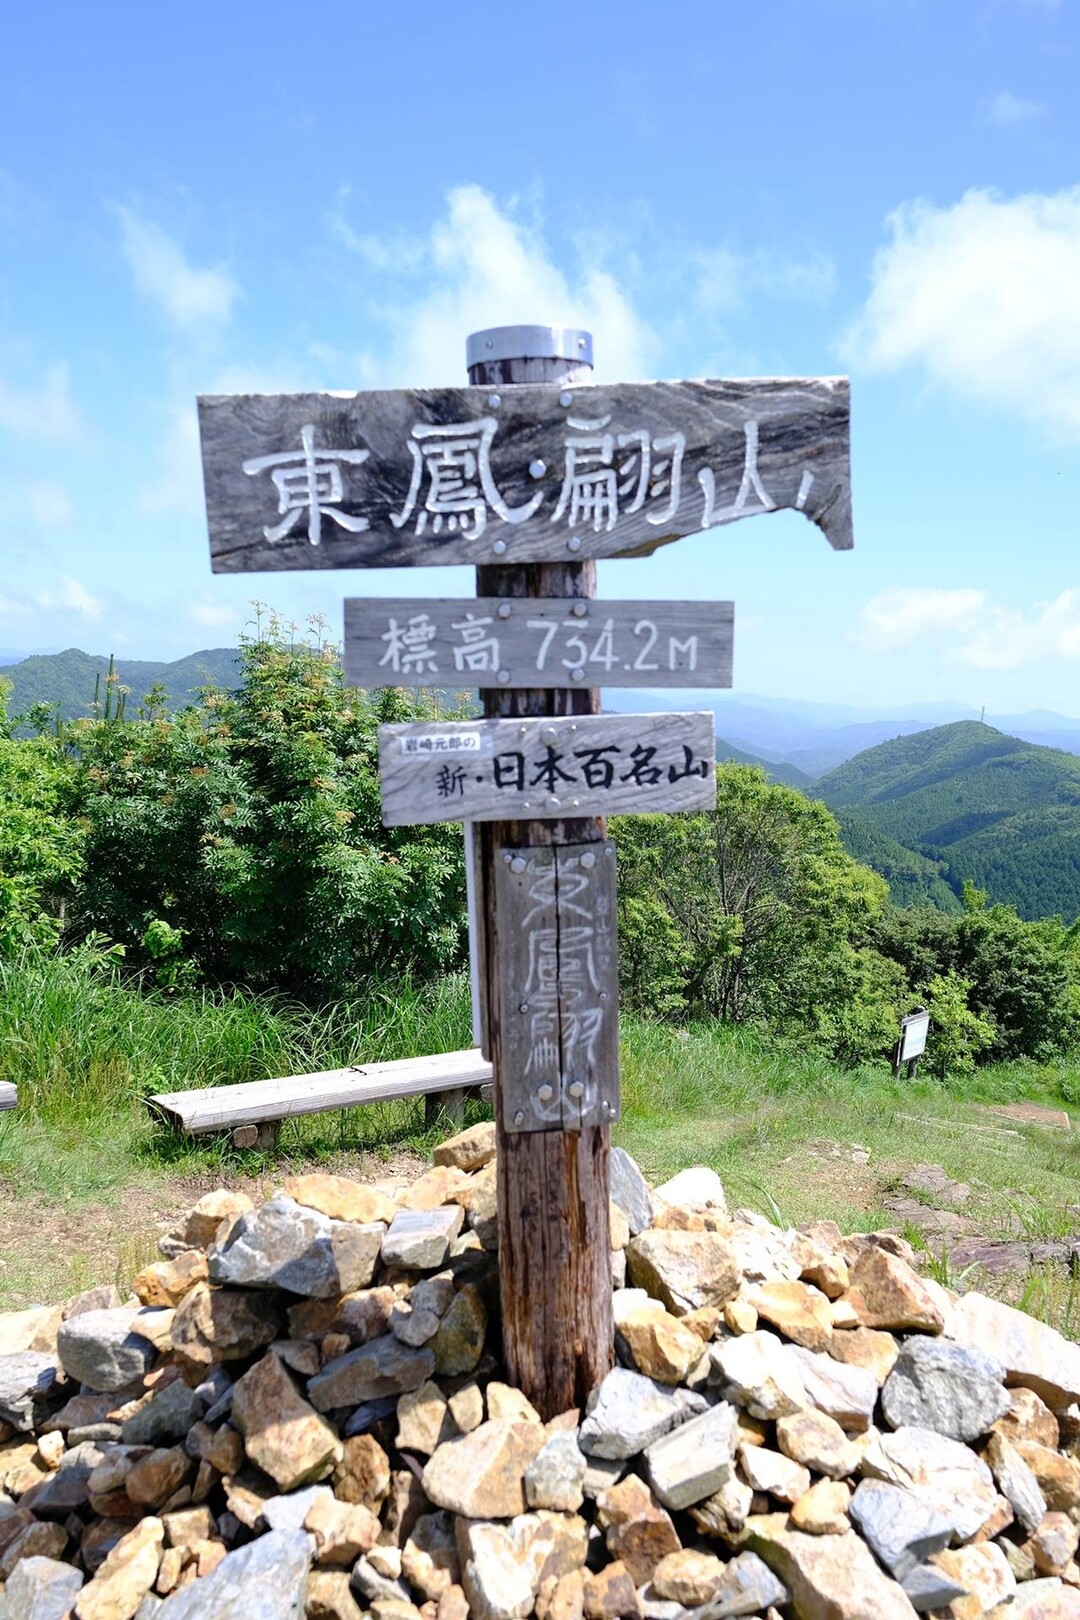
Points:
(754, 911)
(957, 1035)
(40, 845)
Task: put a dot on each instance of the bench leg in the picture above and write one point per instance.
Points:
(257, 1136)
(450, 1104)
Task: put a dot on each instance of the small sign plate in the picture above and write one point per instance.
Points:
(544, 769)
(537, 642)
(913, 1032)
(558, 986)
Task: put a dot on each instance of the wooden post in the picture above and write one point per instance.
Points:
(553, 1186)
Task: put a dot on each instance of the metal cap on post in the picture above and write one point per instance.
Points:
(528, 354)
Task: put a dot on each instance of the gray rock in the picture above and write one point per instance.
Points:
(166, 1419)
(419, 1239)
(99, 1348)
(694, 1459)
(900, 1529)
(556, 1478)
(367, 1580)
(936, 1184)
(148, 1608)
(697, 1187)
(40, 1589)
(944, 1474)
(930, 1588)
(758, 1371)
(749, 1587)
(1016, 1482)
(289, 1511)
(368, 1414)
(949, 1388)
(655, 1608)
(629, 1191)
(268, 1578)
(848, 1394)
(601, 1473)
(627, 1411)
(384, 1366)
(26, 1383)
(284, 1244)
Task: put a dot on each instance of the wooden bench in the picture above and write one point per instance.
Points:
(9, 1095)
(253, 1110)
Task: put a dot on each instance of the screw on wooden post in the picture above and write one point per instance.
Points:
(553, 1186)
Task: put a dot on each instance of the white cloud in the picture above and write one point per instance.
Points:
(43, 411)
(213, 614)
(483, 267)
(10, 608)
(983, 295)
(1008, 110)
(189, 297)
(971, 629)
(73, 596)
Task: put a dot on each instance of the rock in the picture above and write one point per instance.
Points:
(630, 1191)
(638, 1531)
(212, 1325)
(100, 1349)
(1015, 1481)
(170, 1414)
(627, 1411)
(695, 1188)
(214, 1212)
(819, 1264)
(828, 1577)
(467, 1408)
(1042, 1600)
(823, 1510)
(929, 1588)
(40, 1589)
(470, 1149)
(725, 1513)
(759, 1372)
(340, 1199)
(610, 1594)
(875, 1352)
(415, 1319)
(419, 1239)
(694, 1459)
(33, 1540)
(268, 1578)
(382, 1367)
(168, 1281)
(343, 1531)
(763, 1254)
(658, 1344)
(774, 1474)
(898, 1526)
(481, 1475)
(946, 1387)
(942, 1473)
(288, 1512)
(151, 1480)
(798, 1311)
(818, 1442)
(459, 1342)
(329, 1596)
(424, 1420)
(886, 1292)
(363, 1474)
(498, 1582)
(282, 1244)
(748, 1587)
(27, 1381)
(983, 1571)
(1032, 1353)
(1053, 1545)
(846, 1394)
(188, 1526)
(556, 1476)
(283, 1435)
(683, 1269)
(429, 1558)
(935, 1184)
(506, 1404)
(127, 1574)
(453, 1604)
(1028, 1418)
(1058, 1476)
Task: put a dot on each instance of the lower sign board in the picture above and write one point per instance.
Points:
(546, 642)
(558, 986)
(536, 769)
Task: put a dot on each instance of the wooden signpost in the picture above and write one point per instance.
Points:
(532, 473)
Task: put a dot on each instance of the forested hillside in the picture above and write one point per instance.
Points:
(68, 679)
(994, 810)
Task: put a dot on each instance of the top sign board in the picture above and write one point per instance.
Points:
(520, 474)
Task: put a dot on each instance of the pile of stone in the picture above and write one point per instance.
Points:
(302, 1413)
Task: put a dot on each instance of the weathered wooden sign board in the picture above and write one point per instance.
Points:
(523, 473)
(541, 768)
(559, 986)
(532, 642)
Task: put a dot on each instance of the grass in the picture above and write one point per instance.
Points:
(86, 1177)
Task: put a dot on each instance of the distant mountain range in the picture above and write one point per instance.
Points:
(67, 679)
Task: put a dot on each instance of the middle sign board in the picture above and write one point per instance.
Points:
(540, 768)
(536, 642)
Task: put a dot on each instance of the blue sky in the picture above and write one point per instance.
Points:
(237, 197)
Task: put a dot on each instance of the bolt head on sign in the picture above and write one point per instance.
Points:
(525, 473)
